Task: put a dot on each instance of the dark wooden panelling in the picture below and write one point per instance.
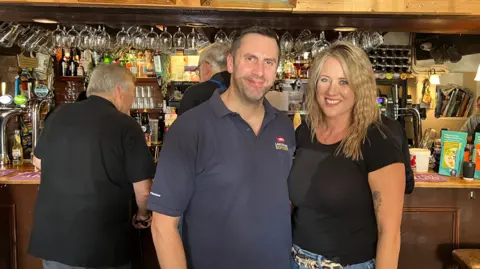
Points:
(22, 198)
(8, 237)
(428, 237)
(239, 19)
(436, 221)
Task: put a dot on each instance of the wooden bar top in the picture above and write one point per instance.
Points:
(453, 182)
(26, 167)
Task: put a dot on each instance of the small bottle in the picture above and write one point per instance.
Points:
(17, 150)
(161, 125)
(466, 154)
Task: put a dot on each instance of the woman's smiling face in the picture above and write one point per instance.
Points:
(334, 94)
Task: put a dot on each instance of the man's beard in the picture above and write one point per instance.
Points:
(245, 93)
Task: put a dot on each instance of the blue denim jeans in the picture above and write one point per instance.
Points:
(365, 265)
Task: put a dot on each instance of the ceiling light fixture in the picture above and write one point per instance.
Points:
(196, 24)
(48, 21)
(345, 29)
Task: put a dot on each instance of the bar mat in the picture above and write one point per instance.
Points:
(430, 178)
(26, 176)
(5, 172)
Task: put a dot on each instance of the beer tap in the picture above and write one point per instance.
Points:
(418, 127)
(35, 106)
(5, 115)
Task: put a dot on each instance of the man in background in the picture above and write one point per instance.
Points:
(472, 122)
(93, 157)
(224, 166)
(212, 67)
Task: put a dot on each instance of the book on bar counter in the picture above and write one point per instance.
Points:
(451, 158)
(476, 155)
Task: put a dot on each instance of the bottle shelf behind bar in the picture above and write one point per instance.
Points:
(77, 78)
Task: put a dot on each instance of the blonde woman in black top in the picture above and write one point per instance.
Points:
(348, 179)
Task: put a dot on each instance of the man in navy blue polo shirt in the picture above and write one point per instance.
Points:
(224, 166)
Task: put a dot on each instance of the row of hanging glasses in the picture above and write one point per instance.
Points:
(36, 39)
(135, 37)
(298, 53)
(29, 38)
(307, 42)
(33, 38)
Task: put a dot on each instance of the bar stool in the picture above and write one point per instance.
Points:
(467, 258)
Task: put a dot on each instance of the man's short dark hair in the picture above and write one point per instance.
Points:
(260, 30)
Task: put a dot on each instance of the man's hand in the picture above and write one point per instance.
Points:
(142, 220)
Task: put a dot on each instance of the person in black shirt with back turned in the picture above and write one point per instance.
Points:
(93, 158)
(348, 179)
(212, 66)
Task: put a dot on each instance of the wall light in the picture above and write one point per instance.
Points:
(196, 24)
(477, 77)
(48, 21)
(434, 78)
(345, 29)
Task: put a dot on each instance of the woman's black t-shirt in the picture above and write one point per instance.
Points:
(333, 209)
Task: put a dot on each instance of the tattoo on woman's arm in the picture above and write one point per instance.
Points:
(377, 200)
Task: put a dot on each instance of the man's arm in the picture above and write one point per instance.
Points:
(167, 241)
(142, 191)
(471, 124)
(139, 168)
(172, 190)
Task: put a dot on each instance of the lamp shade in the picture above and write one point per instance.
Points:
(434, 80)
(477, 77)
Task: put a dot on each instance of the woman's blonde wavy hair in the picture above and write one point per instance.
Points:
(359, 74)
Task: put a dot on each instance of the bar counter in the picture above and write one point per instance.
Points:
(453, 182)
(438, 217)
(26, 167)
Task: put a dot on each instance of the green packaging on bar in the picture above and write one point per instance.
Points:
(451, 158)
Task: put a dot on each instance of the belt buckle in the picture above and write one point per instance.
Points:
(305, 261)
(327, 264)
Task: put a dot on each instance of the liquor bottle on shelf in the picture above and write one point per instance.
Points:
(67, 58)
(149, 68)
(145, 123)
(80, 69)
(161, 125)
(157, 63)
(63, 65)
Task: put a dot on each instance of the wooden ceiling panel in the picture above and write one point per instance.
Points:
(238, 19)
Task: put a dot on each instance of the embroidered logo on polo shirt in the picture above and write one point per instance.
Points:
(280, 144)
(155, 194)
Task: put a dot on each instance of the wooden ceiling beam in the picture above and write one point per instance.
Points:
(118, 15)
